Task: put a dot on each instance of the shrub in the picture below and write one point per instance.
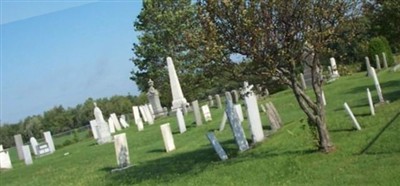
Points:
(377, 45)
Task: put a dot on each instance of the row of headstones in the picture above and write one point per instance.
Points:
(24, 151)
(99, 128)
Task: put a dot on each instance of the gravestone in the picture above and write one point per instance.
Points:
(335, 73)
(223, 122)
(151, 110)
(206, 113)
(323, 98)
(93, 126)
(27, 154)
(217, 146)
(210, 101)
(378, 63)
(103, 129)
(49, 140)
(368, 66)
(123, 122)
(377, 86)
(263, 108)
(167, 137)
(177, 95)
(116, 123)
(197, 115)
(121, 150)
(275, 118)
(253, 113)
(5, 161)
(111, 125)
(239, 111)
(43, 149)
(330, 71)
(34, 145)
(303, 82)
(181, 121)
(384, 60)
(18, 144)
(150, 117)
(355, 122)
(143, 113)
(370, 102)
(184, 109)
(236, 126)
(154, 99)
(307, 75)
(138, 119)
(235, 94)
(218, 100)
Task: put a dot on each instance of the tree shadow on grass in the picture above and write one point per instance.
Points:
(374, 140)
(342, 130)
(166, 169)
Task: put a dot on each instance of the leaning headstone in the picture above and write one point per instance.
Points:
(197, 115)
(177, 95)
(116, 123)
(181, 121)
(34, 145)
(143, 113)
(167, 137)
(235, 96)
(210, 101)
(111, 125)
(239, 111)
(370, 102)
(121, 150)
(217, 146)
(218, 100)
(385, 64)
(303, 82)
(5, 161)
(103, 129)
(323, 98)
(93, 126)
(377, 86)
(355, 122)
(123, 122)
(263, 108)
(206, 113)
(275, 114)
(49, 140)
(335, 72)
(368, 66)
(236, 126)
(253, 113)
(378, 63)
(138, 119)
(150, 117)
(18, 144)
(27, 154)
(223, 122)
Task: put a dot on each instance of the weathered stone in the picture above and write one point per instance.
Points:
(323, 98)
(18, 144)
(218, 100)
(116, 123)
(121, 150)
(210, 101)
(167, 137)
(239, 111)
(34, 145)
(154, 99)
(49, 140)
(377, 86)
(123, 122)
(368, 66)
(236, 126)
(253, 113)
(303, 82)
(385, 64)
(143, 113)
(197, 115)
(27, 155)
(370, 102)
(111, 125)
(5, 161)
(177, 95)
(138, 119)
(181, 121)
(223, 122)
(217, 146)
(206, 113)
(103, 129)
(355, 122)
(378, 63)
(335, 72)
(93, 126)
(235, 96)
(149, 116)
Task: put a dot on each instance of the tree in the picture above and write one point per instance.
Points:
(278, 37)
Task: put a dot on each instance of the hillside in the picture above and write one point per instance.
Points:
(370, 156)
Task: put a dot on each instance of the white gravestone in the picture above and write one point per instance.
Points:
(210, 101)
(206, 113)
(18, 144)
(253, 113)
(138, 119)
(323, 98)
(217, 146)
(116, 123)
(111, 125)
(181, 121)
(368, 66)
(218, 100)
(27, 154)
(385, 65)
(5, 161)
(49, 140)
(355, 122)
(378, 63)
(142, 112)
(177, 95)
(167, 137)
(223, 122)
(123, 122)
(196, 111)
(263, 108)
(235, 96)
(377, 86)
(150, 117)
(121, 150)
(151, 110)
(103, 129)
(335, 72)
(303, 82)
(34, 145)
(239, 111)
(370, 102)
(93, 126)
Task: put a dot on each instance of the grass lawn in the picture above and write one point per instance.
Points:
(367, 157)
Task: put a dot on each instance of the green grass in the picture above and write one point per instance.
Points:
(367, 157)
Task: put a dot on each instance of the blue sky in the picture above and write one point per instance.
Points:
(61, 53)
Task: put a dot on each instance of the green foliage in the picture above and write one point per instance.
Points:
(377, 45)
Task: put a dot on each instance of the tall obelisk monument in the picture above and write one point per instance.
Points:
(177, 96)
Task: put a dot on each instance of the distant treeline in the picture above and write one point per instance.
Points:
(60, 119)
